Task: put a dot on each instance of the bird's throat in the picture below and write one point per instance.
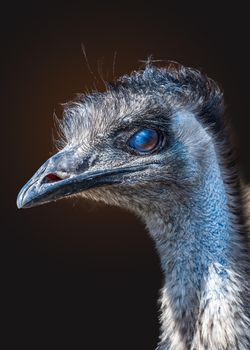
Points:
(198, 246)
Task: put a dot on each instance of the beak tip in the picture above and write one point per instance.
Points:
(19, 201)
(23, 197)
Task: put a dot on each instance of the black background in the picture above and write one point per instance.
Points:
(76, 274)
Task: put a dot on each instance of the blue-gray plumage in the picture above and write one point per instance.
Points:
(156, 143)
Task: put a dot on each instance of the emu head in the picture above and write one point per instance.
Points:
(139, 143)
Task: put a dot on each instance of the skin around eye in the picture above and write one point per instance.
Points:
(145, 140)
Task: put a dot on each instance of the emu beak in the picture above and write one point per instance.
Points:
(58, 178)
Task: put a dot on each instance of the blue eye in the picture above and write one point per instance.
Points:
(144, 140)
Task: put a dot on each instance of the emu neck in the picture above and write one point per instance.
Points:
(198, 246)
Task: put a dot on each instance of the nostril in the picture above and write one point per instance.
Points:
(51, 178)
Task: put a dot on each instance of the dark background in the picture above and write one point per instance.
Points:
(76, 274)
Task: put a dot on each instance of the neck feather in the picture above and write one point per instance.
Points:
(203, 257)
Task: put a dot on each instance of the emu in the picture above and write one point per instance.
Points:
(156, 142)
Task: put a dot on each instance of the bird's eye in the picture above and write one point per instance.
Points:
(144, 140)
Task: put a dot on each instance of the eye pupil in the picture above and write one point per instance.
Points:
(144, 140)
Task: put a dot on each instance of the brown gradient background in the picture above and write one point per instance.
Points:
(76, 274)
